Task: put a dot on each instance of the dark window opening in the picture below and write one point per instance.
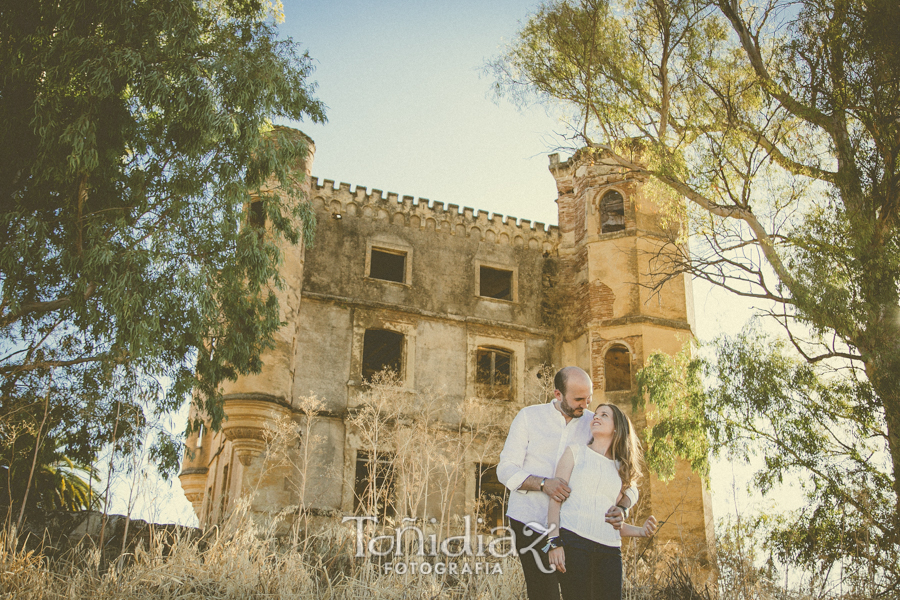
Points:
(490, 495)
(612, 212)
(493, 373)
(374, 484)
(390, 266)
(257, 216)
(618, 369)
(209, 504)
(223, 502)
(495, 283)
(382, 350)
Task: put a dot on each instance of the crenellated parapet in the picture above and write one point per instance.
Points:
(421, 213)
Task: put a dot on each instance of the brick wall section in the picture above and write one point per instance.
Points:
(572, 215)
(582, 306)
(567, 212)
(580, 214)
(601, 301)
(573, 277)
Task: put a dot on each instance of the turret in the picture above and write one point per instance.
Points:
(615, 241)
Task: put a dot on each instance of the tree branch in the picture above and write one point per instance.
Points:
(728, 212)
(48, 306)
(730, 8)
(49, 364)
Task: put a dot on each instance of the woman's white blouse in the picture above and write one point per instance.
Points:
(595, 486)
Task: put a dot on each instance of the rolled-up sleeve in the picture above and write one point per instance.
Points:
(510, 471)
(632, 494)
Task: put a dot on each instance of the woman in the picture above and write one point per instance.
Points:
(588, 549)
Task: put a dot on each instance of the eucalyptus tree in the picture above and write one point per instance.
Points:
(771, 129)
(132, 135)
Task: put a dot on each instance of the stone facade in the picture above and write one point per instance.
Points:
(455, 289)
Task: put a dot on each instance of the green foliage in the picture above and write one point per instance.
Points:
(60, 486)
(132, 135)
(676, 417)
(742, 575)
(58, 482)
(762, 404)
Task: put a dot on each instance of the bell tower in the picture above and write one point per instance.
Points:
(609, 318)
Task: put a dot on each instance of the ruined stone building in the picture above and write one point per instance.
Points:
(461, 301)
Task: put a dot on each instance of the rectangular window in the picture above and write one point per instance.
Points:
(387, 265)
(493, 373)
(382, 350)
(495, 283)
(490, 495)
(374, 484)
(257, 217)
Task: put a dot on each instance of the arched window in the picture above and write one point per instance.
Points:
(612, 212)
(617, 369)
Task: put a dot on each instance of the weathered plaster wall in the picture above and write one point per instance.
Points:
(445, 248)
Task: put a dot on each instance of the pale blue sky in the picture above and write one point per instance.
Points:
(410, 110)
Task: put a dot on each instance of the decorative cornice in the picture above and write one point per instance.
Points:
(646, 320)
(257, 396)
(194, 471)
(357, 302)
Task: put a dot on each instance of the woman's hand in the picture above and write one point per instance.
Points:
(650, 526)
(615, 516)
(558, 559)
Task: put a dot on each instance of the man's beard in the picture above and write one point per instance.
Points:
(569, 412)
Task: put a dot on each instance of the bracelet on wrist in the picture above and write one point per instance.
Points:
(554, 542)
(624, 511)
(543, 481)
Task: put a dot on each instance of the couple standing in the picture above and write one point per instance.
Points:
(572, 472)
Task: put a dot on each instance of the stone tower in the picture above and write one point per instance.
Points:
(610, 319)
(220, 467)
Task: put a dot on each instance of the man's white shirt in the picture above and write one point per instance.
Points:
(537, 439)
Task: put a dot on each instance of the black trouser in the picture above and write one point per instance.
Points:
(593, 571)
(540, 585)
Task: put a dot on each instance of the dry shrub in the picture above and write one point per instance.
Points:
(241, 559)
(676, 584)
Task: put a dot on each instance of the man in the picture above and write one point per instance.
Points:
(537, 438)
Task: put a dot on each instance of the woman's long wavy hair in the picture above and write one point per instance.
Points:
(626, 447)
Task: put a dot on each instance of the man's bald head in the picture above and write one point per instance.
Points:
(564, 375)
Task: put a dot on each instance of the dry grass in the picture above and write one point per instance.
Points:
(240, 560)
(244, 559)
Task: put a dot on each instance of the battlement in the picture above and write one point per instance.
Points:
(425, 214)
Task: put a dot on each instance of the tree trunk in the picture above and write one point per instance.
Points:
(37, 447)
(883, 375)
(883, 371)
